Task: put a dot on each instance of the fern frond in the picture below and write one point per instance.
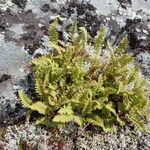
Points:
(39, 61)
(73, 32)
(63, 118)
(42, 120)
(111, 51)
(39, 87)
(120, 87)
(47, 78)
(98, 41)
(111, 109)
(87, 106)
(73, 85)
(100, 80)
(53, 34)
(97, 104)
(25, 100)
(125, 59)
(96, 120)
(52, 86)
(133, 73)
(122, 44)
(84, 36)
(137, 122)
(66, 110)
(40, 107)
(57, 47)
(79, 120)
(51, 101)
(63, 44)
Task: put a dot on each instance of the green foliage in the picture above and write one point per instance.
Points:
(25, 100)
(102, 89)
(98, 41)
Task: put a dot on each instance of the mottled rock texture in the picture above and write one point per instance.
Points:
(24, 34)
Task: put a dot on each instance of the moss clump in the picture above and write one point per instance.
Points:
(87, 84)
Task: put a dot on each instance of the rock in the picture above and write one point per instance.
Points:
(45, 8)
(20, 3)
(5, 77)
(24, 35)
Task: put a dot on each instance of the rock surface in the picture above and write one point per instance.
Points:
(24, 33)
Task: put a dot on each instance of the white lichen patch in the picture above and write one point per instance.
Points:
(105, 7)
(141, 4)
(7, 97)
(1, 38)
(34, 136)
(36, 6)
(12, 58)
(44, 49)
(4, 4)
(7, 4)
(115, 140)
(17, 29)
(144, 59)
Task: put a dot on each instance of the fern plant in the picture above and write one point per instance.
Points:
(86, 84)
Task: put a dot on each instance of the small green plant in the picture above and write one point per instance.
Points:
(86, 84)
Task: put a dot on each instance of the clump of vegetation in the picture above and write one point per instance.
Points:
(86, 84)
